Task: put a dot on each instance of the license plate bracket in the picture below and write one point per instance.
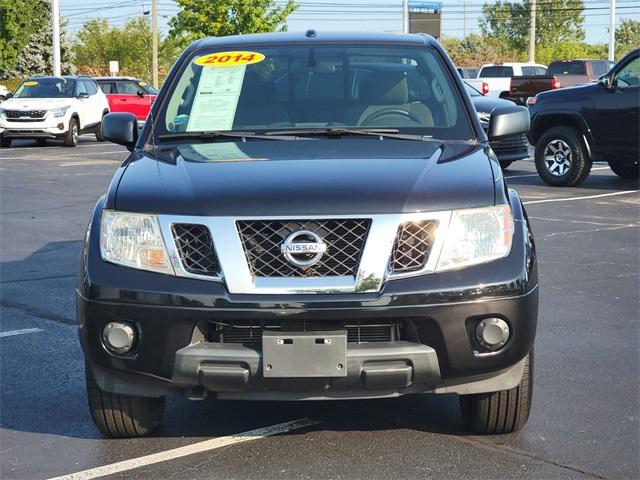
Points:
(304, 354)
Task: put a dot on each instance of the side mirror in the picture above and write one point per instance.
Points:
(120, 128)
(82, 95)
(8, 95)
(141, 93)
(607, 81)
(508, 121)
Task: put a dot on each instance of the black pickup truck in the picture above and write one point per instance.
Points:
(573, 127)
(309, 216)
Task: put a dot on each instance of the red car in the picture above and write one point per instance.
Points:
(128, 94)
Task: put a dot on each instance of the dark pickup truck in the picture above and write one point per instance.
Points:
(309, 216)
(573, 127)
(560, 74)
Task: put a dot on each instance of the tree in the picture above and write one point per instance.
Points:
(558, 22)
(98, 43)
(17, 24)
(216, 18)
(35, 56)
(627, 36)
(474, 50)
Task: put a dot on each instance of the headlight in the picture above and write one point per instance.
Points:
(476, 235)
(60, 112)
(133, 240)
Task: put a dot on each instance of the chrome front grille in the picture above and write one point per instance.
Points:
(196, 250)
(10, 114)
(262, 240)
(413, 245)
(249, 332)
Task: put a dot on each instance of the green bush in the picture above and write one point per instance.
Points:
(11, 84)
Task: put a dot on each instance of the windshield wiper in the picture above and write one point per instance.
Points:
(339, 132)
(215, 134)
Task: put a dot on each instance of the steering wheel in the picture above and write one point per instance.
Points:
(389, 112)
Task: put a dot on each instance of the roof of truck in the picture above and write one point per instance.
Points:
(513, 64)
(316, 37)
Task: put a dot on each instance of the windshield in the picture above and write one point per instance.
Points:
(271, 88)
(46, 88)
(566, 68)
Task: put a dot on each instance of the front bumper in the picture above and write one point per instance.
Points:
(511, 149)
(47, 127)
(436, 353)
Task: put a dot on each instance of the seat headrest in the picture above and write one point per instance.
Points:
(387, 88)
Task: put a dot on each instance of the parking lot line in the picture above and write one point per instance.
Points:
(53, 148)
(536, 175)
(11, 333)
(82, 163)
(199, 447)
(569, 199)
(65, 156)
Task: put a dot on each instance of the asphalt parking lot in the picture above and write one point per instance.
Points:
(585, 421)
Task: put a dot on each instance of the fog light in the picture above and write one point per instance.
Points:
(119, 338)
(492, 333)
(61, 126)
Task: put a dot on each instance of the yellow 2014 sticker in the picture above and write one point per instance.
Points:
(229, 59)
(142, 84)
(30, 84)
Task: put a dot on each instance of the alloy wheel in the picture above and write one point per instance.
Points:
(558, 157)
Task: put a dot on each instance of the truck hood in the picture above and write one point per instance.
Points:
(308, 177)
(36, 103)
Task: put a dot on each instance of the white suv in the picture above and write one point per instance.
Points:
(53, 107)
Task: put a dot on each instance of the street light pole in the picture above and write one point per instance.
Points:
(405, 16)
(532, 32)
(612, 30)
(154, 42)
(55, 31)
(464, 19)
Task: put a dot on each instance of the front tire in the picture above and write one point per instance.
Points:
(122, 416)
(561, 157)
(626, 170)
(4, 142)
(99, 136)
(71, 137)
(505, 411)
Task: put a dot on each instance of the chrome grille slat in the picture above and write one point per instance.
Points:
(413, 245)
(196, 249)
(345, 239)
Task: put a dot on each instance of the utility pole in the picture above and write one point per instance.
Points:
(405, 16)
(55, 29)
(612, 30)
(154, 42)
(532, 32)
(464, 19)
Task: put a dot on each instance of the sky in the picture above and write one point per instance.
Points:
(371, 15)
